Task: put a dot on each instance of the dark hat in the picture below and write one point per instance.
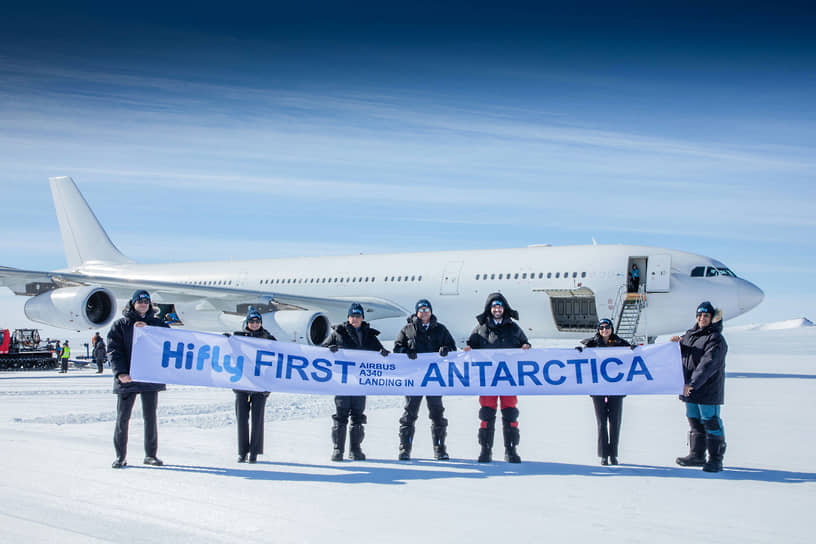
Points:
(138, 295)
(705, 307)
(497, 302)
(423, 302)
(355, 309)
(606, 321)
(253, 314)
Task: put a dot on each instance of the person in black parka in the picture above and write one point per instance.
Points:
(497, 330)
(137, 313)
(703, 349)
(608, 408)
(354, 334)
(423, 334)
(99, 352)
(251, 402)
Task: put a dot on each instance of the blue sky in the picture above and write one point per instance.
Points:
(329, 129)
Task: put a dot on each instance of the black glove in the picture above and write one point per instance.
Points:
(633, 347)
(411, 354)
(227, 334)
(443, 351)
(333, 348)
(384, 352)
(579, 348)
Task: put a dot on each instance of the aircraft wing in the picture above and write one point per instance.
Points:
(31, 282)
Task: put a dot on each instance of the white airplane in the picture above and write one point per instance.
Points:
(560, 292)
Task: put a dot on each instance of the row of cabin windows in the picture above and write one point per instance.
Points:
(523, 276)
(363, 279)
(209, 282)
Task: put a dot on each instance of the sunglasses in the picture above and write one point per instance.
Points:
(424, 310)
(142, 301)
(603, 327)
(703, 313)
(254, 320)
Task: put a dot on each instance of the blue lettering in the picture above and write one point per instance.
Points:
(214, 361)
(259, 360)
(531, 373)
(295, 362)
(638, 362)
(481, 365)
(464, 379)
(322, 366)
(618, 377)
(168, 354)
(432, 374)
(345, 366)
(593, 365)
(546, 372)
(203, 354)
(577, 363)
(236, 370)
(503, 374)
(188, 358)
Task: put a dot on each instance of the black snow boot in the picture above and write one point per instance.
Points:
(511, 440)
(716, 449)
(486, 441)
(406, 436)
(697, 445)
(339, 440)
(356, 435)
(438, 434)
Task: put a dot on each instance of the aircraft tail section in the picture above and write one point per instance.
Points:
(84, 238)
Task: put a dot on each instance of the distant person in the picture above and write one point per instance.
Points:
(354, 334)
(423, 334)
(64, 356)
(497, 330)
(703, 350)
(137, 313)
(171, 317)
(608, 408)
(634, 278)
(99, 352)
(58, 354)
(250, 405)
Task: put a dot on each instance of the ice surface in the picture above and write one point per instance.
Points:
(57, 484)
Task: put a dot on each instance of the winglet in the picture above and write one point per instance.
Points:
(84, 239)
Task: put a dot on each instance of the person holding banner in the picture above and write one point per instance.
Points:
(497, 330)
(251, 402)
(137, 313)
(354, 334)
(423, 334)
(608, 408)
(703, 349)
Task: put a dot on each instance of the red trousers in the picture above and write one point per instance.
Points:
(507, 401)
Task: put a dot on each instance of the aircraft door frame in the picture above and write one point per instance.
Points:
(450, 278)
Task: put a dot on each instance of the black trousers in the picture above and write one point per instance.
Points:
(100, 362)
(436, 411)
(608, 414)
(64, 364)
(347, 406)
(124, 407)
(249, 411)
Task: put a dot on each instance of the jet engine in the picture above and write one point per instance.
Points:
(301, 326)
(75, 308)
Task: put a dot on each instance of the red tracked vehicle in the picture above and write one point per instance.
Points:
(23, 349)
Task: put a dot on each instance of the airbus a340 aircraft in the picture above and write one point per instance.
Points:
(560, 292)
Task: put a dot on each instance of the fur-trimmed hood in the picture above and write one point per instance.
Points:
(509, 313)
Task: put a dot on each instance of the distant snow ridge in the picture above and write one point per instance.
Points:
(799, 323)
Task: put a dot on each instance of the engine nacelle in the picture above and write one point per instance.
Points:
(301, 326)
(74, 308)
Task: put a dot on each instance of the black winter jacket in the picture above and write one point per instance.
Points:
(99, 350)
(703, 352)
(489, 335)
(120, 344)
(414, 338)
(260, 333)
(344, 337)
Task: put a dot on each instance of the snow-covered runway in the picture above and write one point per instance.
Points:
(57, 484)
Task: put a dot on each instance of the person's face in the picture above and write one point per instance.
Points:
(605, 330)
(141, 306)
(424, 314)
(254, 324)
(703, 319)
(355, 320)
(497, 311)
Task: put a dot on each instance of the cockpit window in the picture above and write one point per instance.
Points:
(726, 272)
(711, 272)
(698, 272)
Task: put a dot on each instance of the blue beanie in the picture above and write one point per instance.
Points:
(705, 307)
(253, 314)
(423, 302)
(605, 320)
(356, 308)
(140, 294)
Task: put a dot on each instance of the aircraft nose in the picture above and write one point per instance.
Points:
(749, 296)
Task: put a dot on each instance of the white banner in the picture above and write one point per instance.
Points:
(173, 356)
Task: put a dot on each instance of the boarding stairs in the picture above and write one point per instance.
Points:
(629, 308)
